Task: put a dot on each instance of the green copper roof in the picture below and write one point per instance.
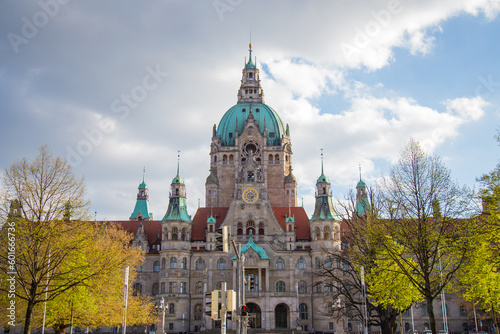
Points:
(360, 184)
(250, 63)
(322, 178)
(143, 185)
(141, 207)
(362, 206)
(323, 209)
(263, 114)
(259, 250)
(211, 219)
(177, 210)
(177, 179)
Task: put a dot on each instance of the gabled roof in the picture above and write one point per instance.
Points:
(152, 229)
(200, 221)
(257, 249)
(302, 230)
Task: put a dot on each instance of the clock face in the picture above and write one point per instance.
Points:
(250, 195)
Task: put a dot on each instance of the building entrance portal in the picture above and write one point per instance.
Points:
(254, 316)
(281, 315)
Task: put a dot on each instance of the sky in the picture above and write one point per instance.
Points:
(119, 87)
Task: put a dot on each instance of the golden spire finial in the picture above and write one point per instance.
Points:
(250, 46)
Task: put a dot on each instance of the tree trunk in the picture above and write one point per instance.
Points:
(432, 316)
(388, 321)
(29, 316)
(495, 320)
(59, 328)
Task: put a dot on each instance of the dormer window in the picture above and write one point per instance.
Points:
(243, 110)
(231, 134)
(257, 110)
(271, 134)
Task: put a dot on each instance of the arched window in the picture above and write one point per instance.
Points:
(173, 263)
(231, 158)
(154, 290)
(219, 285)
(318, 287)
(163, 263)
(200, 264)
(184, 263)
(317, 233)
(280, 264)
(250, 227)
(302, 287)
(198, 287)
(221, 264)
(303, 311)
(240, 228)
(277, 159)
(183, 234)
(301, 263)
(328, 262)
(280, 286)
(317, 262)
(290, 228)
(326, 231)
(198, 312)
(171, 309)
(270, 159)
(137, 289)
(224, 159)
(175, 233)
(156, 266)
(261, 228)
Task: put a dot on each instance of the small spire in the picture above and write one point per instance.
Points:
(178, 161)
(143, 173)
(360, 172)
(322, 173)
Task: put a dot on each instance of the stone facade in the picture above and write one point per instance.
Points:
(250, 189)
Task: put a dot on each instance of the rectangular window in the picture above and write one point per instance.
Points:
(424, 310)
(331, 326)
(171, 326)
(183, 287)
(162, 289)
(172, 286)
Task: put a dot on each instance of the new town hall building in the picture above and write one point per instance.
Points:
(250, 189)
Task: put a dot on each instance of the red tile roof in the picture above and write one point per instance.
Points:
(302, 230)
(200, 221)
(152, 229)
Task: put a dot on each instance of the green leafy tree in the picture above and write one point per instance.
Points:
(361, 240)
(425, 211)
(54, 256)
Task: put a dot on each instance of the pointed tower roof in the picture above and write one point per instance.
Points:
(250, 63)
(178, 179)
(362, 202)
(177, 205)
(141, 209)
(322, 178)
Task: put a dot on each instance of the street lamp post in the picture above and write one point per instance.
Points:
(162, 307)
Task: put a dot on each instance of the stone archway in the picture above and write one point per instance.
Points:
(281, 312)
(254, 315)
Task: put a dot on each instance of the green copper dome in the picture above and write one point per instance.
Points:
(263, 114)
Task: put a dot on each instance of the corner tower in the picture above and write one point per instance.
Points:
(251, 138)
(141, 210)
